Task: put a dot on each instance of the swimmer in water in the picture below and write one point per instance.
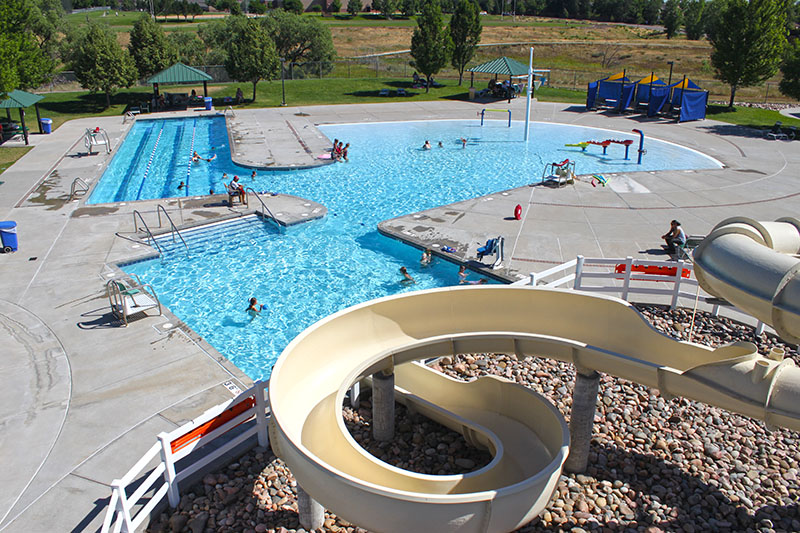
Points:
(427, 145)
(406, 276)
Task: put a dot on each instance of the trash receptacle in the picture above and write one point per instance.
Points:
(208, 101)
(472, 93)
(8, 235)
(47, 125)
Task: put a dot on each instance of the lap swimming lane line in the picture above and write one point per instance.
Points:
(150, 161)
(120, 195)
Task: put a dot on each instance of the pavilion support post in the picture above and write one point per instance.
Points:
(205, 88)
(510, 89)
(8, 114)
(472, 79)
(38, 117)
(22, 124)
(155, 89)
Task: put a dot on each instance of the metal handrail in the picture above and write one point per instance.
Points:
(258, 197)
(73, 190)
(149, 233)
(230, 108)
(173, 227)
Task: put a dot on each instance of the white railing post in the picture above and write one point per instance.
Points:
(676, 290)
(715, 310)
(355, 395)
(125, 509)
(578, 273)
(113, 505)
(626, 285)
(533, 278)
(173, 493)
(759, 328)
(261, 415)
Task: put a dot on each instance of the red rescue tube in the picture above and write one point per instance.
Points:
(518, 212)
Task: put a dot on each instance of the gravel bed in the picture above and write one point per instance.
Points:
(654, 465)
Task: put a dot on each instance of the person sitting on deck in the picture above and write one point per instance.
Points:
(239, 95)
(675, 237)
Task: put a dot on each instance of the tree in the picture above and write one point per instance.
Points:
(293, 6)
(99, 62)
(672, 17)
(790, 68)
(694, 22)
(251, 53)
(409, 8)
(748, 42)
(297, 38)
(149, 47)
(385, 7)
(27, 43)
(465, 32)
(257, 7)
(354, 7)
(430, 42)
(187, 47)
(336, 6)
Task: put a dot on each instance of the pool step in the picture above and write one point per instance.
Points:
(235, 232)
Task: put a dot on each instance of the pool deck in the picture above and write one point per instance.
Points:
(86, 398)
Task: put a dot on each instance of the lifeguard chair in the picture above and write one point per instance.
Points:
(96, 137)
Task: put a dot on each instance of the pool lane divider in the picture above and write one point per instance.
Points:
(150, 161)
(191, 153)
(171, 170)
(123, 186)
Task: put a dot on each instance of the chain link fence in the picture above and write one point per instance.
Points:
(399, 67)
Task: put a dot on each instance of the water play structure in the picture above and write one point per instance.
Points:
(751, 264)
(483, 114)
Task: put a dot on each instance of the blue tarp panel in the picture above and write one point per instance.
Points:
(693, 106)
(627, 96)
(591, 95)
(658, 97)
(643, 91)
(609, 90)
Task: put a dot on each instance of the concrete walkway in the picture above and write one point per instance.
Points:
(86, 398)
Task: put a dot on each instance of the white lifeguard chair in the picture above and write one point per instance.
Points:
(96, 137)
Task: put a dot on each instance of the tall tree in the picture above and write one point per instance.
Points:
(188, 48)
(251, 53)
(354, 7)
(693, 19)
(790, 68)
(748, 42)
(430, 42)
(672, 18)
(299, 39)
(409, 8)
(99, 62)
(27, 45)
(465, 32)
(151, 50)
(385, 7)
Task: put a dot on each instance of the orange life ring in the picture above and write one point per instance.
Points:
(518, 212)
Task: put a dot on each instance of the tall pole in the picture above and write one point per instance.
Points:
(530, 92)
(670, 63)
(283, 84)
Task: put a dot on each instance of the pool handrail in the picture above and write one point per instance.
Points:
(149, 233)
(173, 227)
(266, 209)
(73, 189)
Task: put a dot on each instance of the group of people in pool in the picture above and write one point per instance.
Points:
(197, 157)
(427, 259)
(427, 144)
(339, 150)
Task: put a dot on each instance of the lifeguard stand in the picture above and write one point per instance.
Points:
(96, 137)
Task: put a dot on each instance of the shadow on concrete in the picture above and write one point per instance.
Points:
(733, 130)
(100, 319)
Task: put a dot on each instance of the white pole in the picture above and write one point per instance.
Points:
(530, 90)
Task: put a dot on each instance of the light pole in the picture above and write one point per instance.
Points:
(670, 63)
(283, 85)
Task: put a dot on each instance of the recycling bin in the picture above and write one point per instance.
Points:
(47, 125)
(209, 102)
(8, 235)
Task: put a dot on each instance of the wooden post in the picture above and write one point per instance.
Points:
(205, 88)
(38, 117)
(22, 124)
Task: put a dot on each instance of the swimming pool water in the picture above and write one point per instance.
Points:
(318, 268)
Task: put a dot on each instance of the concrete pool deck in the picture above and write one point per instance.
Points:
(85, 398)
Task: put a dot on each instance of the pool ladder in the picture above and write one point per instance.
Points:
(78, 187)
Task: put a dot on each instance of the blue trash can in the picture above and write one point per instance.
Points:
(208, 102)
(47, 125)
(8, 235)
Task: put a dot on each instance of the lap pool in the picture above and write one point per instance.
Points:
(318, 268)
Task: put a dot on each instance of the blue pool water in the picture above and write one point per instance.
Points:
(315, 269)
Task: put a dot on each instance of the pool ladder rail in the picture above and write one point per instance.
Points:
(126, 300)
(266, 210)
(151, 239)
(78, 187)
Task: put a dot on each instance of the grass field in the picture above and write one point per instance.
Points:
(9, 155)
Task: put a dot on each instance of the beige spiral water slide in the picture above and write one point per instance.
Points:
(751, 264)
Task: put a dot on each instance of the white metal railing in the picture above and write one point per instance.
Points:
(151, 238)
(78, 186)
(173, 227)
(179, 444)
(229, 109)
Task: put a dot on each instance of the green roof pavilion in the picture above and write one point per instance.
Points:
(180, 73)
(20, 100)
(502, 66)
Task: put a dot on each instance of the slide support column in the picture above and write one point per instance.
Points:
(383, 404)
(310, 512)
(581, 419)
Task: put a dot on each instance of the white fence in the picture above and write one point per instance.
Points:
(178, 444)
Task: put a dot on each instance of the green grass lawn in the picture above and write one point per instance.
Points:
(9, 155)
(749, 116)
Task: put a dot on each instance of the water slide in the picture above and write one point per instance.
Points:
(525, 434)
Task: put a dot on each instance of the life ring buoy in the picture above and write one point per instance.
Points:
(518, 212)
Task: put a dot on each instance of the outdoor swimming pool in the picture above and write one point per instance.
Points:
(318, 268)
